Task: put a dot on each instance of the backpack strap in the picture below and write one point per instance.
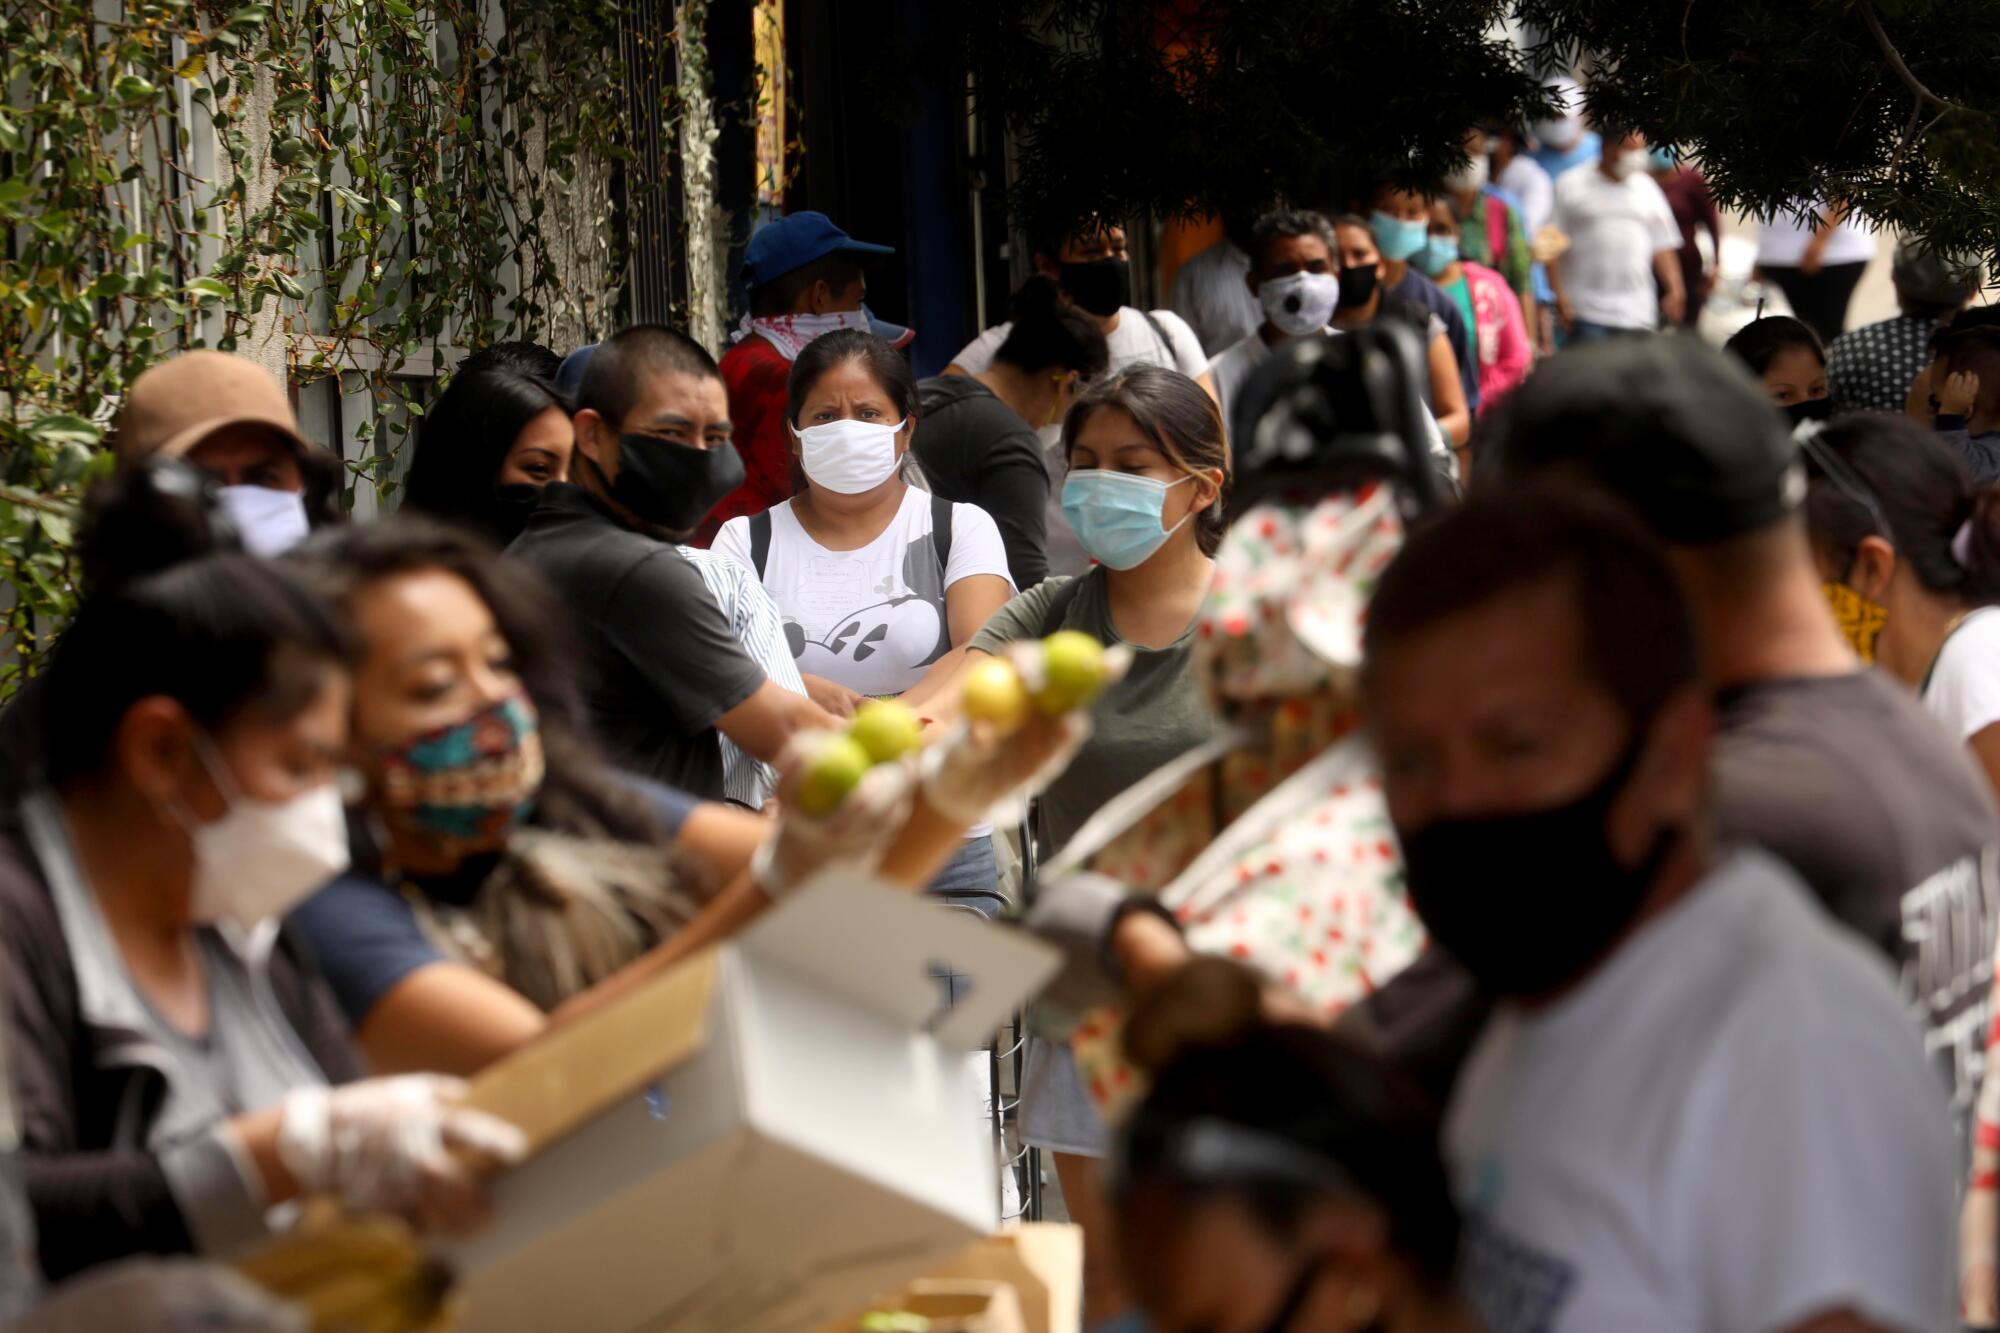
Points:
(940, 533)
(760, 541)
(1173, 361)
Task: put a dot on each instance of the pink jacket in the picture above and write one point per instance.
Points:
(1500, 332)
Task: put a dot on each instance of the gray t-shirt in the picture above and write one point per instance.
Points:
(1850, 780)
(1146, 719)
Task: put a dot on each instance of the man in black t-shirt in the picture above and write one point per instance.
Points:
(1829, 765)
(666, 673)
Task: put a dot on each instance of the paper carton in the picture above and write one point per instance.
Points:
(757, 1139)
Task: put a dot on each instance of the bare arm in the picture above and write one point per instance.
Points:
(768, 719)
(969, 604)
(1985, 747)
(1673, 297)
(446, 1018)
(1448, 393)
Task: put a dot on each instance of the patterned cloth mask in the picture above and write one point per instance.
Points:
(464, 787)
(1860, 619)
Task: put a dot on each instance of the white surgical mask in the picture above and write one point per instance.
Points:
(262, 858)
(1299, 303)
(270, 522)
(1473, 177)
(1631, 162)
(848, 457)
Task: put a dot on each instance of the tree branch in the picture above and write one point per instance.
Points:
(1895, 58)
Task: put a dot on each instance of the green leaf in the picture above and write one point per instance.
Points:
(110, 284)
(65, 428)
(210, 287)
(55, 527)
(130, 88)
(11, 139)
(289, 286)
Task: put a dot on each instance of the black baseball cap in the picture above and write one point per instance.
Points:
(1675, 429)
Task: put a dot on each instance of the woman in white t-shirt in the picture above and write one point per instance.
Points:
(878, 581)
(1911, 551)
(1817, 261)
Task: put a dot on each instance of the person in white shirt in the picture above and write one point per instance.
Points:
(1094, 272)
(1700, 1103)
(1209, 292)
(1516, 172)
(879, 582)
(1816, 253)
(1622, 235)
(1295, 281)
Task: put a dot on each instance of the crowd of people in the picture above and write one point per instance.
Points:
(1536, 866)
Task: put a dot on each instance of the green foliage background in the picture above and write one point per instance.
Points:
(384, 165)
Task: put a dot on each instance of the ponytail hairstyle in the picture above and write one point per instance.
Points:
(1048, 334)
(1946, 529)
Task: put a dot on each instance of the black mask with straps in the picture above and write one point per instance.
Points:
(671, 486)
(1101, 287)
(1530, 900)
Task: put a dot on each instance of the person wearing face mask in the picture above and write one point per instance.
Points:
(1491, 232)
(1296, 279)
(1492, 310)
(1564, 142)
(1875, 367)
(667, 676)
(1789, 360)
(881, 583)
(1148, 474)
(805, 278)
(1967, 376)
(1400, 222)
(173, 1054)
(985, 436)
(1816, 253)
(227, 416)
(1621, 273)
(1688, 440)
(1363, 300)
(1571, 869)
(1693, 206)
(1094, 274)
(486, 448)
(1277, 1178)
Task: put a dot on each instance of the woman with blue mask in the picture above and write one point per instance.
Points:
(1499, 334)
(1148, 474)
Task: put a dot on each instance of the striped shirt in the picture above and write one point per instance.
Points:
(750, 611)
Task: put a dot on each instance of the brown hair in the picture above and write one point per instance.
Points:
(1180, 420)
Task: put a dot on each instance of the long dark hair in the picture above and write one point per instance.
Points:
(1178, 417)
(1916, 484)
(578, 791)
(1326, 1107)
(222, 635)
(1047, 333)
(464, 440)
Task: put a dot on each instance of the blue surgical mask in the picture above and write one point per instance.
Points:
(1439, 253)
(1397, 239)
(1660, 159)
(1118, 517)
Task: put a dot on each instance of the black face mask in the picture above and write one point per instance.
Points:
(673, 486)
(1102, 287)
(1812, 409)
(1357, 284)
(1529, 901)
(512, 503)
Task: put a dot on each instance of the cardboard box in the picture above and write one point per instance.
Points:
(760, 1138)
(1040, 1262)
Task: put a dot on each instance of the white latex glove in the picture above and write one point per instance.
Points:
(972, 776)
(387, 1145)
(852, 836)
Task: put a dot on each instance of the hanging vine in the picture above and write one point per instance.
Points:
(336, 186)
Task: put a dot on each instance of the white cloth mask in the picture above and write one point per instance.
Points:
(848, 457)
(1630, 163)
(262, 858)
(270, 522)
(1301, 303)
(1474, 177)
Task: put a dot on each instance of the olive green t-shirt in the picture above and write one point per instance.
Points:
(1146, 719)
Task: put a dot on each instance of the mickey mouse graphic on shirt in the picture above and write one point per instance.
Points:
(879, 648)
